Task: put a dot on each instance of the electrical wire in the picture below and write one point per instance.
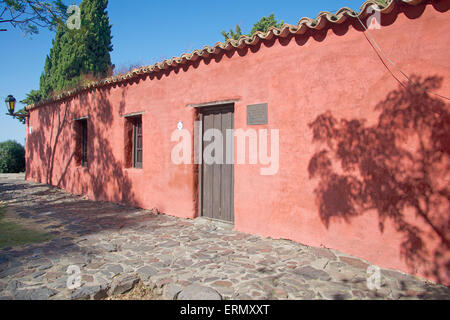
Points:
(381, 53)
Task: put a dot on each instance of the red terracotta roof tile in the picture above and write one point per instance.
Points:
(287, 29)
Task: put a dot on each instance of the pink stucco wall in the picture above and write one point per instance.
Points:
(300, 78)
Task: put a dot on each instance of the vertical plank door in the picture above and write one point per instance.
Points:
(218, 178)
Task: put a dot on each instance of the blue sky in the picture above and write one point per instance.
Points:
(144, 32)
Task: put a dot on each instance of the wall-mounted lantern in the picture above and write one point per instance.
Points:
(22, 115)
(10, 104)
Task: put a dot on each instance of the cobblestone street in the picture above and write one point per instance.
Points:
(116, 247)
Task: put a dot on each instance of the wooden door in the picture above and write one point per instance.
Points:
(217, 185)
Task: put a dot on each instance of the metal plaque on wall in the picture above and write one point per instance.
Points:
(257, 114)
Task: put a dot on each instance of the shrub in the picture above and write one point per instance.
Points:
(12, 157)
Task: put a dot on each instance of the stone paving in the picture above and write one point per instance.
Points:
(116, 247)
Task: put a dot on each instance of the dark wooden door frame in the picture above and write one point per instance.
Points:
(202, 111)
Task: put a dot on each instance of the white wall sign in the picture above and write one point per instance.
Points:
(180, 125)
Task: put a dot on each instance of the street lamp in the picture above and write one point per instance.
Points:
(22, 115)
(10, 104)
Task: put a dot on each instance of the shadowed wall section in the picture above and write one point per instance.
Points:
(397, 168)
(364, 164)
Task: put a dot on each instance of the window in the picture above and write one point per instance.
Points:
(84, 162)
(81, 142)
(137, 142)
(133, 142)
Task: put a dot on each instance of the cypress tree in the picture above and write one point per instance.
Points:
(67, 73)
(76, 54)
(95, 38)
(47, 81)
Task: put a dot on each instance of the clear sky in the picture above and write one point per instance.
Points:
(144, 32)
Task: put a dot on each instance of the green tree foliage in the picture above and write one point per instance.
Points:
(12, 157)
(65, 63)
(32, 97)
(95, 38)
(30, 15)
(77, 55)
(235, 35)
(21, 115)
(265, 23)
(262, 25)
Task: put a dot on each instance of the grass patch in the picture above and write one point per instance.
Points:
(13, 234)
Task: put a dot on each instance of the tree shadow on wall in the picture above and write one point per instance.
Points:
(105, 168)
(43, 144)
(401, 163)
(54, 147)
